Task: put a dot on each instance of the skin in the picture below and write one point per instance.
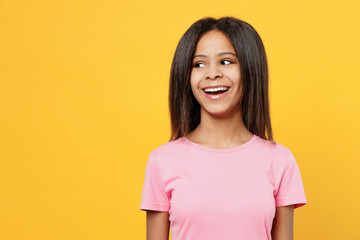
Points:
(283, 223)
(215, 63)
(157, 225)
(221, 125)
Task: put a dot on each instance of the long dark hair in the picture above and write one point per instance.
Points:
(184, 108)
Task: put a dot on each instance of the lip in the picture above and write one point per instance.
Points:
(215, 86)
(217, 96)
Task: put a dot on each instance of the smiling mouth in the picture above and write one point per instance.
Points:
(216, 92)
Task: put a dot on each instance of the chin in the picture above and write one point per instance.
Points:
(219, 113)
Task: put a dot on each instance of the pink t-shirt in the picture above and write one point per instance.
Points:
(214, 194)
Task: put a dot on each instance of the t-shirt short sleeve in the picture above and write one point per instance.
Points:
(154, 196)
(290, 186)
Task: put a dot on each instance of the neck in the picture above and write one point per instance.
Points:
(221, 131)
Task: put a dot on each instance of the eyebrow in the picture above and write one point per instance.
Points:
(219, 54)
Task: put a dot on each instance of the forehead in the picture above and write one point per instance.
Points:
(214, 41)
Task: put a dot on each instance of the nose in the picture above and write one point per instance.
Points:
(213, 72)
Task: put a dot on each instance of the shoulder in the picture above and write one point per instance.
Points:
(273, 147)
(276, 151)
(169, 151)
(168, 147)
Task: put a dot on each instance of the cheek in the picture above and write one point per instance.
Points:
(235, 77)
(235, 74)
(194, 80)
(195, 88)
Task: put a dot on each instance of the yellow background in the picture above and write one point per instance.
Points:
(83, 100)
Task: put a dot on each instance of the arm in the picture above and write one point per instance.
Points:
(157, 225)
(282, 228)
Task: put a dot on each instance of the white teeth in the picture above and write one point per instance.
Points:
(215, 89)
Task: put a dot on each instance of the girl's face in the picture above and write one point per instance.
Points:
(215, 76)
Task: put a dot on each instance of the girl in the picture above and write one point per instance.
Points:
(221, 176)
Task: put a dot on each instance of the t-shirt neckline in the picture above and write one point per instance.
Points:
(242, 146)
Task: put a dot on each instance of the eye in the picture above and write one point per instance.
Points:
(199, 65)
(226, 62)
